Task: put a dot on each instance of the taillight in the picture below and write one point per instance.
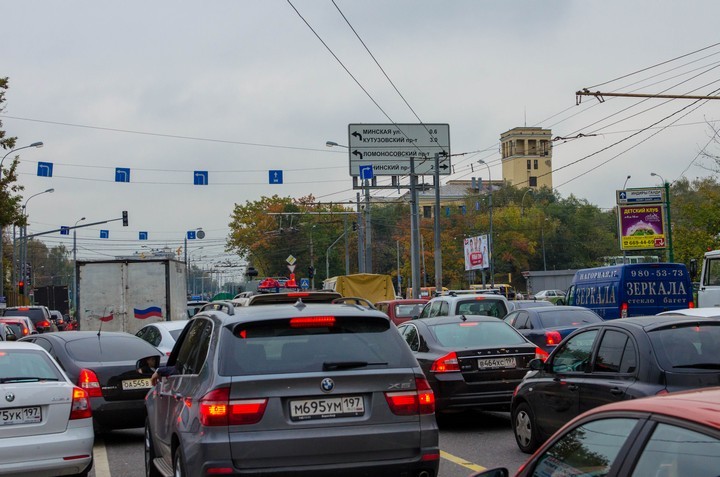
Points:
(446, 364)
(312, 322)
(407, 403)
(25, 331)
(541, 354)
(216, 409)
(88, 381)
(80, 407)
(624, 310)
(43, 324)
(691, 305)
(552, 338)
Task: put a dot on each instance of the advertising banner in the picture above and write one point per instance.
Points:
(476, 253)
(642, 227)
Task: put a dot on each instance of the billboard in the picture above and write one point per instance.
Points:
(477, 256)
(642, 227)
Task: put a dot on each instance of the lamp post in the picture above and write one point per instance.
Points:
(522, 202)
(75, 280)
(189, 261)
(490, 237)
(626, 181)
(618, 222)
(2, 227)
(23, 255)
(327, 255)
(671, 256)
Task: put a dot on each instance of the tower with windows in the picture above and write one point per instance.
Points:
(527, 157)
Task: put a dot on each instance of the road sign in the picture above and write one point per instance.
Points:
(104, 234)
(142, 235)
(122, 174)
(366, 172)
(64, 230)
(304, 283)
(191, 235)
(389, 147)
(45, 169)
(200, 178)
(640, 196)
(291, 260)
(291, 268)
(275, 177)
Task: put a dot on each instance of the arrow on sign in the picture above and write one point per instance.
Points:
(357, 153)
(357, 135)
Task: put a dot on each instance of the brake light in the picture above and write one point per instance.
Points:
(43, 324)
(691, 305)
(25, 331)
(216, 409)
(407, 403)
(298, 294)
(80, 407)
(446, 364)
(624, 310)
(312, 322)
(552, 338)
(88, 381)
(541, 354)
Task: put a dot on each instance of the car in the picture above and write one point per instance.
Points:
(614, 360)
(401, 310)
(556, 297)
(304, 389)
(671, 435)
(40, 316)
(316, 296)
(113, 367)
(487, 304)
(7, 333)
(547, 326)
(162, 334)
(58, 319)
(523, 304)
(46, 420)
(194, 306)
(21, 325)
(704, 312)
(471, 362)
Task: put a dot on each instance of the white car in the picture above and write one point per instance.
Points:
(704, 312)
(162, 334)
(46, 426)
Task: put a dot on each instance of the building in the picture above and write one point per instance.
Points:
(527, 157)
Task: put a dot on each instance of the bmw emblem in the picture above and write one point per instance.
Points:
(327, 385)
(10, 397)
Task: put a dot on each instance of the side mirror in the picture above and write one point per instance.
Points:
(693, 268)
(499, 472)
(10, 337)
(147, 365)
(536, 364)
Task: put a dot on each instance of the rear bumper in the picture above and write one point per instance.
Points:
(118, 414)
(456, 394)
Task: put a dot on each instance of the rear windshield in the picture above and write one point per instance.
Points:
(312, 344)
(687, 347)
(17, 329)
(408, 311)
(27, 365)
(562, 318)
(473, 334)
(34, 314)
(109, 349)
(483, 307)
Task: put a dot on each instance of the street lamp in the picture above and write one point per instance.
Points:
(490, 239)
(35, 144)
(75, 281)
(626, 179)
(671, 256)
(23, 254)
(522, 202)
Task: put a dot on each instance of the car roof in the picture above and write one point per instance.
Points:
(19, 345)
(436, 320)
(76, 335)
(262, 313)
(469, 296)
(652, 322)
(168, 325)
(704, 311)
(400, 301)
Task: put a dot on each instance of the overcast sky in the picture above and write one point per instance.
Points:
(238, 88)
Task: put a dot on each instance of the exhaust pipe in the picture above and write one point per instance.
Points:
(423, 473)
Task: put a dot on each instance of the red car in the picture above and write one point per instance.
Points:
(676, 434)
(401, 310)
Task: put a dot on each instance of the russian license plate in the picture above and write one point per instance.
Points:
(20, 415)
(495, 363)
(142, 383)
(346, 406)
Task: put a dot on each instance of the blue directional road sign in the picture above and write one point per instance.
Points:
(200, 178)
(275, 177)
(366, 172)
(304, 283)
(122, 174)
(191, 235)
(45, 169)
(64, 230)
(143, 235)
(104, 234)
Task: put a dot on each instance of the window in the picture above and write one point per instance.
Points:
(589, 449)
(528, 164)
(427, 211)
(712, 277)
(616, 353)
(444, 309)
(574, 355)
(535, 163)
(532, 181)
(410, 335)
(523, 321)
(193, 351)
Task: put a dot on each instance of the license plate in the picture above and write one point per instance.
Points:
(143, 383)
(20, 415)
(495, 363)
(325, 408)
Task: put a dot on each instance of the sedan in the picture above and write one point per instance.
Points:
(675, 434)
(21, 325)
(162, 334)
(547, 326)
(46, 420)
(557, 297)
(113, 367)
(470, 361)
(612, 361)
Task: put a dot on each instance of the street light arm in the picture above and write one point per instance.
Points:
(35, 144)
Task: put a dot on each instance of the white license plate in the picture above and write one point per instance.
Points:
(20, 415)
(143, 383)
(495, 363)
(346, 406)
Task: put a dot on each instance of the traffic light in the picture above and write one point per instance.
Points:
(355, 225)
(311, 272)
(125, 218)
(21, 288)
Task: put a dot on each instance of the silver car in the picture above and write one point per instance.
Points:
(304, 389)
(162, 334)
(46, 421)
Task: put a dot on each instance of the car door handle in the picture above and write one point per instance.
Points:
(617, 391)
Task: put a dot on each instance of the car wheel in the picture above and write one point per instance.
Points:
(525, 428)
(179, 464)
(150, 469)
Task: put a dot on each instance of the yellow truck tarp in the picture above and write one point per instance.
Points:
(373, 287)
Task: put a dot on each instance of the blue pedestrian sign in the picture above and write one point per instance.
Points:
(143, 235)
(200, 178)
(45, 169)
(104, 234)
(275, 177)
(304, 283)
(64, 230)
(366, 172)
(122, 174)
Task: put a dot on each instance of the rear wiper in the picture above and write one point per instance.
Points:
(699, 365)
(12, 379)
(333, 365)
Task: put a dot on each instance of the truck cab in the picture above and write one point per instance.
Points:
(709, 288)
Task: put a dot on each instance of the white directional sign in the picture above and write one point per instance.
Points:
(389, 147)
(640, 196)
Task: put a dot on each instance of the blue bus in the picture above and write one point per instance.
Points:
(626, 290)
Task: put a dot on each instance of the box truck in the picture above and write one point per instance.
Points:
(373, 287)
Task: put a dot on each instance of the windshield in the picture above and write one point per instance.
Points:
(686, 346)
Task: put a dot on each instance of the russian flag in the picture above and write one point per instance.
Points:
(107, 318)
(147, 312)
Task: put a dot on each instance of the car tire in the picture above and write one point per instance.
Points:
(150, 469)
(179, 464)
(525, 428)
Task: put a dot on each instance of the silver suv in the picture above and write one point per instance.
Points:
(293, 389)
(487, 304)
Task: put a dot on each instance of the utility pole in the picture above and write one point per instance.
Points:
(414, 232)
(438, 249)
(368, 229)
(361, 237)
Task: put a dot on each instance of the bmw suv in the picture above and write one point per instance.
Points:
(291, 389)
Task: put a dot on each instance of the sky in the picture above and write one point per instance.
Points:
(240, 88)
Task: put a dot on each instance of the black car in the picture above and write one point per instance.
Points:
(470, 361)
(40, 316)
(114, 368)
(612, 361)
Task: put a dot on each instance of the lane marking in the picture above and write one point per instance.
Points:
(462, 462)
(101, 464)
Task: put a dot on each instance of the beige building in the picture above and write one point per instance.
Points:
(527, 157)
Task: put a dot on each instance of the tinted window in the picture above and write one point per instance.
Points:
(27, 364)
(574, 355)
(685, 346)
(676, 451)
(474, 334)
(35, 314)
(616, 353)
(193, 350)
(287, 346)
(109, 348)
(573, 318)
(486, 307)
(589, 449)
(410, 334)
(523, 321)
(176, 333)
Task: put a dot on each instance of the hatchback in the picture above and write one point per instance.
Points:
(303, 390)
(613, 361)
(113, 367)
(46, 420)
